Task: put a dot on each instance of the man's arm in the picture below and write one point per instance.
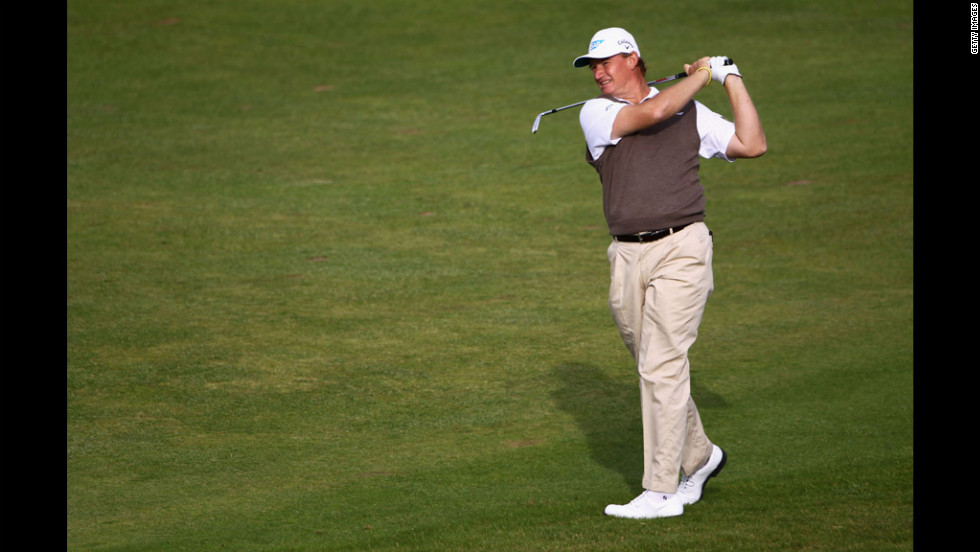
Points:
(749, 139)
(636, 117)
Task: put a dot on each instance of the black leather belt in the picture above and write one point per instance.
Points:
(651, 236)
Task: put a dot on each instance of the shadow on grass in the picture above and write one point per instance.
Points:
(607, 411)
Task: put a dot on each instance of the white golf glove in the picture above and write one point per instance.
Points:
(719, 71)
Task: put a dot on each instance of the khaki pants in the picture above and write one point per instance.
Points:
(657, 296)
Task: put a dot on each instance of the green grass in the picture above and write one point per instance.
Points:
(327, 292)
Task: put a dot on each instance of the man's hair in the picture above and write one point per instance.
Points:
(640, 64)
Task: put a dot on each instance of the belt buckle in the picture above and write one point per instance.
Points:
(647, 237)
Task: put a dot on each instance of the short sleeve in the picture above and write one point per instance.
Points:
(597, 117)
(715, 131)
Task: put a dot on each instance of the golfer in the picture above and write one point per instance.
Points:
(645, 145)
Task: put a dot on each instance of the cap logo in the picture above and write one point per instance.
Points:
(626, 43)
(595, 44)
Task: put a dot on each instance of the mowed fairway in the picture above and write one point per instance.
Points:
(327, 292)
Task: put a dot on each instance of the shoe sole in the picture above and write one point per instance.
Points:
(664, 513)
(716, 471)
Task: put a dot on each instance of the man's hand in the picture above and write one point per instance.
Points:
(720, 71)
(703, 63)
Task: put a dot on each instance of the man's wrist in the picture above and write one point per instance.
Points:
(708, 69)
(729, 76)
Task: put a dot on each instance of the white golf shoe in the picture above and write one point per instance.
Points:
(691, 486)
(648, 505)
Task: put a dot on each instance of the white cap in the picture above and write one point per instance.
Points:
(607, 43)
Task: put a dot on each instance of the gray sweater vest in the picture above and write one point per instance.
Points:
(650, 179)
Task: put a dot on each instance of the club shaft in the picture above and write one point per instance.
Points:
(680, 75)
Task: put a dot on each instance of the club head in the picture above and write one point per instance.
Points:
(537, 121)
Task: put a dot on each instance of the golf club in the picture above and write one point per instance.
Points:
(681, 75)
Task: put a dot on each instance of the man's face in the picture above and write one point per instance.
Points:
(612, 74)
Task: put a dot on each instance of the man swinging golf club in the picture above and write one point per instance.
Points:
(645, 145)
